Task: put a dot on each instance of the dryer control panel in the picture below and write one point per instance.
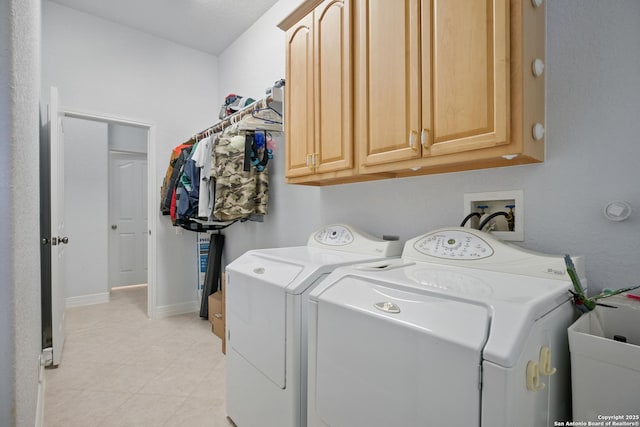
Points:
(334, 235)
(342, 237)
(453, 244)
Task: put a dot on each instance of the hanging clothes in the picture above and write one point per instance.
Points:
(175, 153)
(202, 158)
(188, 190)
(238, 193)
(224, 177)
(176, 171)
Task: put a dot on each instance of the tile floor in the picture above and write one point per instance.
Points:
(120, 368)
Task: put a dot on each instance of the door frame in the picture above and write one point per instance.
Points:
(152, 195)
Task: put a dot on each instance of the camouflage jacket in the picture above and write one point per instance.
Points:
(238, 193)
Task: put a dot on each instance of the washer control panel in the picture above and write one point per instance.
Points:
(467, 247)
(453, 244)
(334, 235)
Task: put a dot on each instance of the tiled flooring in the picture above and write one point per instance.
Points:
(120, 368)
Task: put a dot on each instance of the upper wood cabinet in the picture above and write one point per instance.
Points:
(299, 112)
(388, 80)
(438, 86)
(318, 111)
(433, 78)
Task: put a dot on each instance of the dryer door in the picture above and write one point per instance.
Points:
(256, 312)
(388, 357)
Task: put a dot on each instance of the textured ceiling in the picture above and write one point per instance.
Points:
(206, 25)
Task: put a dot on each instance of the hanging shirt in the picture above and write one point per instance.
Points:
(239, 193)
(188, 188)
(175, 176)
(165, 201)
(202, 158)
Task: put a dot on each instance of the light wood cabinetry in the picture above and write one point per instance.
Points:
(298, 98)
(319, 112)
(388, 79)
(438, 86)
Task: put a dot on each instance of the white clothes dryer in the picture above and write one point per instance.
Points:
(464, 331)
(266, 297)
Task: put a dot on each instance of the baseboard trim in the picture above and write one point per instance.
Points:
(176, 309)
(41, 394)
(86, 300)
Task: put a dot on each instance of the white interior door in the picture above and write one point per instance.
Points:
(59, 239)
(128, 218)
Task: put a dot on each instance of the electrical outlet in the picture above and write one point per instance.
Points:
(510, 202)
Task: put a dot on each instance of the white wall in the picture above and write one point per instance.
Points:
(20, 318)
(7, 332)
(593, 147)
(127, 138)
(107, 69)
(251, 64)
(86, 208)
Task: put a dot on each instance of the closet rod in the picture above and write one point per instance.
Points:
(233, 118)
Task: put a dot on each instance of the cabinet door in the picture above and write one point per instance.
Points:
(333, 112)
(299, 112)
(388, 78)
(469, 74)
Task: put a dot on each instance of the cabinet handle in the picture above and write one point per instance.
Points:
(308, 160)
(424, 138)
(413, 135)
(314, 157)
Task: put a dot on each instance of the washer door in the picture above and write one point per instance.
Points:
(256, 312)
(388, 357)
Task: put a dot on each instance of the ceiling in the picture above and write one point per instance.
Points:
(206, 25)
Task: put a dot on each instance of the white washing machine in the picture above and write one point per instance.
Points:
(463, 330)
(266, 296)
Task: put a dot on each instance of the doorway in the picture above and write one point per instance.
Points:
(124, 145)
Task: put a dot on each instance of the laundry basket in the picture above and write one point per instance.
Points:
(605, 373)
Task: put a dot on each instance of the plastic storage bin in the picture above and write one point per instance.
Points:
(605, 374)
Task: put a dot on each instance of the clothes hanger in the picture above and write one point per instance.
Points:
(255, 115)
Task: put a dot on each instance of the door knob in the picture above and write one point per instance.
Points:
(64, 240)
(114, 226)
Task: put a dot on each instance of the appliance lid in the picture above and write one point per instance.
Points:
(465, 323)
(294, 268)
(513, 302)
